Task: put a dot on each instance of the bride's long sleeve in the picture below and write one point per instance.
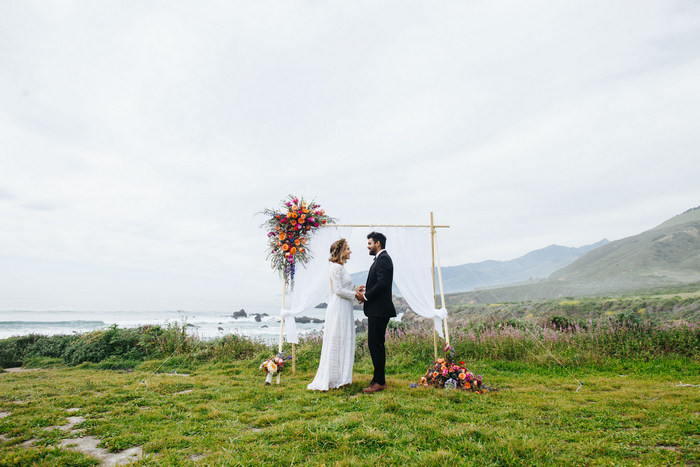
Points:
(336, 281)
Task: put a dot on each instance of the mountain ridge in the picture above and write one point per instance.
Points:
(666, 255)
(537, 264)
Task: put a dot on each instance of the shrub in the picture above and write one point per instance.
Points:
(14, 349)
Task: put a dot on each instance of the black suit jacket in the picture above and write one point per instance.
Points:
(378, 288)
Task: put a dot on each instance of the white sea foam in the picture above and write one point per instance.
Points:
(206, 325)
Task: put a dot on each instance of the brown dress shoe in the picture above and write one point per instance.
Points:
(374, 388)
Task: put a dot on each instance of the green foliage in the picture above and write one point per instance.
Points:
(559, 322)
(14, 349)
(568, 312)
(128, 346)
(96, 346)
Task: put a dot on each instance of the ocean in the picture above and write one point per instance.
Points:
(205, 325)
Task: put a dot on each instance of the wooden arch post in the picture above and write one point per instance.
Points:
(284, 296)
(436, 254)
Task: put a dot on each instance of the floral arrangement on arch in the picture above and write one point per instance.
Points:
(445, 373)
(289, 229)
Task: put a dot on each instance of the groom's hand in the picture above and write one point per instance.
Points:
(359, 294)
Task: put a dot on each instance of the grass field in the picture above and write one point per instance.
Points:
(626, 413)
(173, 400)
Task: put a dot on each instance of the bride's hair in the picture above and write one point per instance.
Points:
(337, 251)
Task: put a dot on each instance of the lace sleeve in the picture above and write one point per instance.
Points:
(337, 283)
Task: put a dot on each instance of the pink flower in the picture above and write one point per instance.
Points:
(296, 200)
(316, 224)
(312, 220)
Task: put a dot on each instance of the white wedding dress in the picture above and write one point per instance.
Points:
(338, 350)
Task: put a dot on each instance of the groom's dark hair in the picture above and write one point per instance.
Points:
(378, 237)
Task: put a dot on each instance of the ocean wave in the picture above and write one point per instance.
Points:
(52, 323)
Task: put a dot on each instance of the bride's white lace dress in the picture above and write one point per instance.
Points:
(338, 350)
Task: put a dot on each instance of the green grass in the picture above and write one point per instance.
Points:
(629, 410)
(627, 413)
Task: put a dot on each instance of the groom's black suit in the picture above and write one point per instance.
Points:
(378, 309)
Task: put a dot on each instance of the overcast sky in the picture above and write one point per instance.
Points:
(138, 139)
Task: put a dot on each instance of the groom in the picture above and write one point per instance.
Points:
(379, 307)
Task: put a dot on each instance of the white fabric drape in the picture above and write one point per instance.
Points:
(409, 248)
(311, 282)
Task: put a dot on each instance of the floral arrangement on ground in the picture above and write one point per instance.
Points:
(289, 229)
(274, 366)
(447, 374)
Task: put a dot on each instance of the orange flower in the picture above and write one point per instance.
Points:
(294, 215)
(293, 251)
(303, 240)
(305, 211)
(302, 220)
(302, 250)
(282, 236)
(293, 222)
(285, 247)
(297, 242)
(289, 214)
(435, 374)
(462, 376)
(467, 385)
(278, 243)
(441, 360)
(295, 207)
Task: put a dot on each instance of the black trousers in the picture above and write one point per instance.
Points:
(376, 334)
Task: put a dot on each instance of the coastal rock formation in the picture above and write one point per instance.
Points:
(306, 319)
(239, 314)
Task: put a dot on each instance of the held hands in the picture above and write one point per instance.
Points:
(359, 294)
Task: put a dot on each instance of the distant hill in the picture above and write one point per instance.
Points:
(666, 255)
(537, 264)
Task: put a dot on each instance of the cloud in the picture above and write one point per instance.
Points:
(38, 207)
(147, 136)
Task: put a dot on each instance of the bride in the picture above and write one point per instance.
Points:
(338, 350)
